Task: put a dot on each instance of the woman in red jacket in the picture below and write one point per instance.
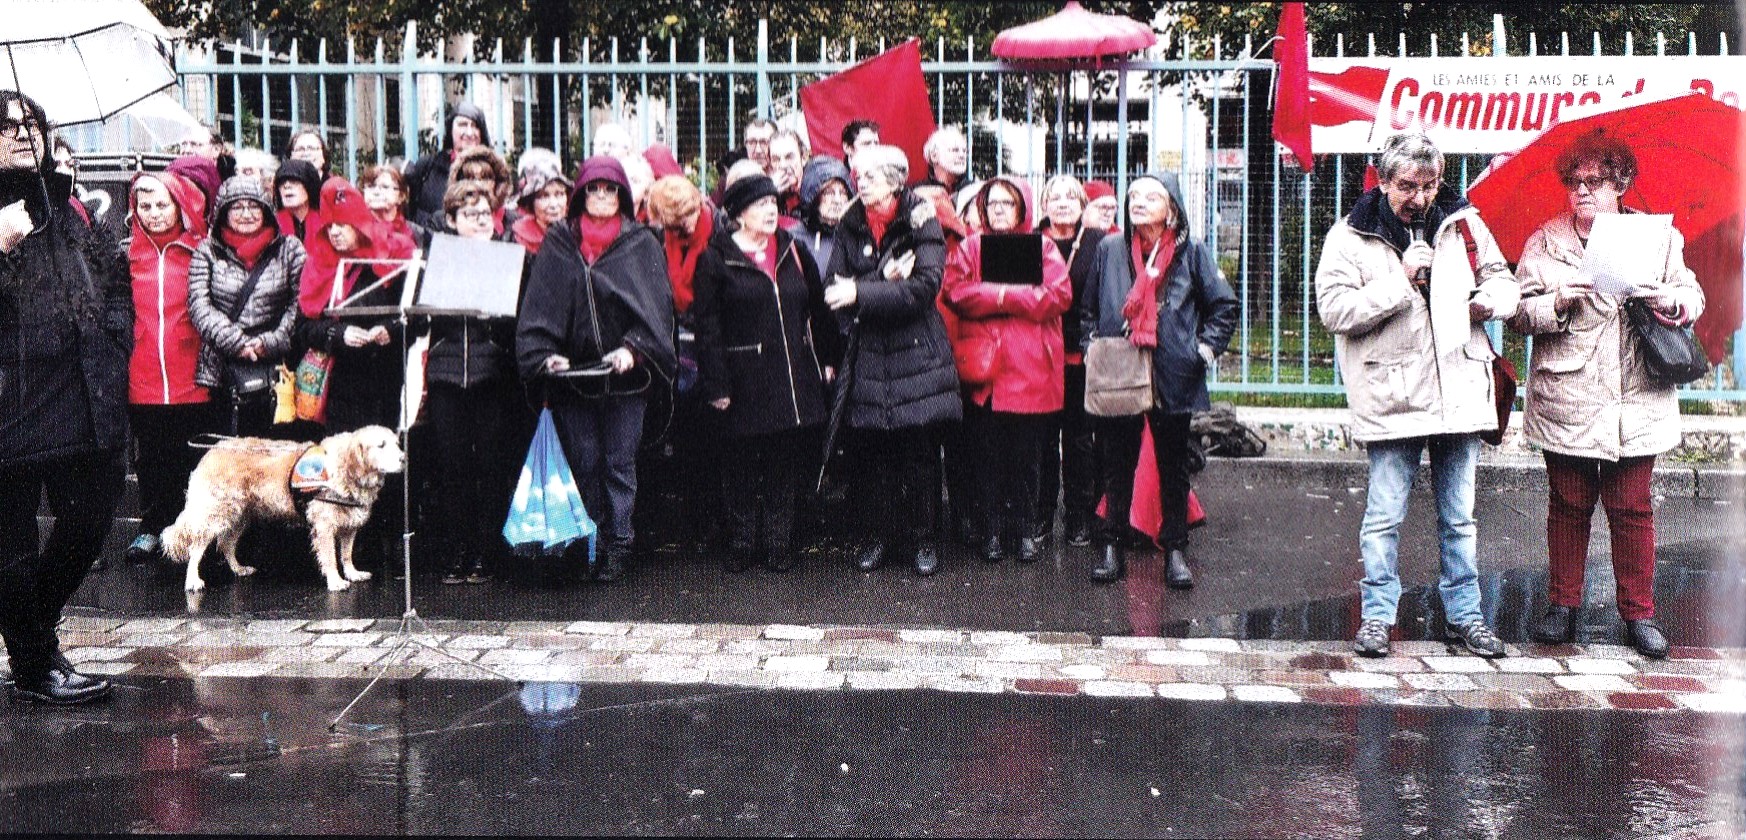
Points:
(165, 406)
(1011, 361)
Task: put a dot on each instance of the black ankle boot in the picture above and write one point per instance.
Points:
(1557, 626)
(612, 565)
(1029, 549)
(73, 680)
(57, 688)
(927, 558)
(1176, 572)
(1110, 566)
(1646, 636)
(991, 550)
(870, 556)
(1078, 528)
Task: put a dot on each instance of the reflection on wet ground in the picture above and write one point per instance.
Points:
(255, 756)
(1263, 573)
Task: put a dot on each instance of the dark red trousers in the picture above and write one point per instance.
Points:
(1575, 485)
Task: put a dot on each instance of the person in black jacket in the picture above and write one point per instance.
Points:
(427, 179)
(473, 397)
(598, 299)
(1071, 470)
(885, 276)
(1161, 288)
(66, 328)
(767, 345)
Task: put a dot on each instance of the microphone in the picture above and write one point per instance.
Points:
(1417, 229)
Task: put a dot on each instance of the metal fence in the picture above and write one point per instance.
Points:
(1205, 117)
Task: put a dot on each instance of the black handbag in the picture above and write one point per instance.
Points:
(1671, 354)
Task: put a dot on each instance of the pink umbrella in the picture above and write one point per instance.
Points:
(1074, 32)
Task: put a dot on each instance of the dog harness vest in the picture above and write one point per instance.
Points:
(312, 480)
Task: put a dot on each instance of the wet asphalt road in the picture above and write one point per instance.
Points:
(217, 755)
(425, 756)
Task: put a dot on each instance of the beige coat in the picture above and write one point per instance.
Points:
(1405, 378)
(1588, 393)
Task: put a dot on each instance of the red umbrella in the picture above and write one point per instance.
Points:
(1074, 32)
(1689, 156)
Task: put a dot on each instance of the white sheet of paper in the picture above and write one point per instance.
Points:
(1622, 250)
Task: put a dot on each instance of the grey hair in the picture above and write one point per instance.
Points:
(889, 161)
(931, 149)
(745, 168)
(1408, 151)
(1074, 188)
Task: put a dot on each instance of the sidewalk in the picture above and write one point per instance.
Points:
(813, 658)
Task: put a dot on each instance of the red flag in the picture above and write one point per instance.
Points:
(887, 89)
(1291, 100)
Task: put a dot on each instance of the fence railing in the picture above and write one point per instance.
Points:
(1205, 118)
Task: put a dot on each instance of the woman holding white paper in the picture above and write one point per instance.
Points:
(1592, 407)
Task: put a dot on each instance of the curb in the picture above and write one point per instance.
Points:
(1343, 472)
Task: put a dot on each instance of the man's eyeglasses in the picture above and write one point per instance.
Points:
(1593, 182)
(1408, 187)
(19, 129)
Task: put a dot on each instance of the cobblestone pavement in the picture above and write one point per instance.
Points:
(778, 656)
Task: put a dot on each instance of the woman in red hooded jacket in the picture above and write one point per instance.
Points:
(165, 406)
(1011, 360)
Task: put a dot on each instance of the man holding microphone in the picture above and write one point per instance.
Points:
(1408, 310)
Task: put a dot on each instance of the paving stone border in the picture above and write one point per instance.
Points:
(813, 658)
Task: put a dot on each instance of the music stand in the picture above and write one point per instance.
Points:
(409, 619)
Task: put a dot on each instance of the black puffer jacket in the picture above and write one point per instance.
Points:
(216, 276)
(902, 374)
(66, 329)
(763, 345)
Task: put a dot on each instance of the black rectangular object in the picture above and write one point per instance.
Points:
(1014, 258)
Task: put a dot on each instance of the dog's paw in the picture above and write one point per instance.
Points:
(244, 571)
(337, 584)
(195, 585)
(357, 575)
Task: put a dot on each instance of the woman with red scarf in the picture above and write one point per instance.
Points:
(363, 388)
(545, 195)
(242, 297)
(165, 407)
(1161, 288)
(384, 191)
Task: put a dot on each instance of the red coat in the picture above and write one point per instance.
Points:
(166, 347)
(1023, 321)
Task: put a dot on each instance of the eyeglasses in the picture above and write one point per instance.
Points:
(18, 129)
(1408, 187)
(1001, 204)
(474, 215)
(1593, 182)
(601, 189)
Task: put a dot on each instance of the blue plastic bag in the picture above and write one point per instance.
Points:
(546, 514)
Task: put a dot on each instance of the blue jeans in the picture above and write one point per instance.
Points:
(1392, 465)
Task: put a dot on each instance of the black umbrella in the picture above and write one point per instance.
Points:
(840, 400)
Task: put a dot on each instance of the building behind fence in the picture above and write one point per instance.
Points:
(1207, 118)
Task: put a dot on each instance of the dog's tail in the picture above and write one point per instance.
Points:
(178, 540)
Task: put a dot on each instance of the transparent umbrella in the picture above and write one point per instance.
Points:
(83, 60)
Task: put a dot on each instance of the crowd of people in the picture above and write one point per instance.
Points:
(814, 320)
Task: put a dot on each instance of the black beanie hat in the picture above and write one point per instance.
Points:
(746, 192)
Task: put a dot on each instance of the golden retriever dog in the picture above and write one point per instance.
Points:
(247, 479)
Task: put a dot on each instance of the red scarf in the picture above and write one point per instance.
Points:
(528, 232)
(597, 234)
(682, 254)
(878, 220)
(1141, 307)
(248, 248)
